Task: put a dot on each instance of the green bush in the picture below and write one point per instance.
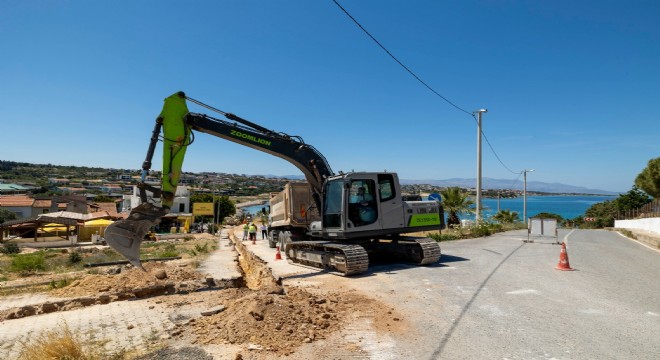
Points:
(481, 229)
(27, 263)
(444, 237)
(75, 257)
(10, 248)
(59, 283)
(202, 249)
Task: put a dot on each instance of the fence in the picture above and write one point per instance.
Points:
(649, 210)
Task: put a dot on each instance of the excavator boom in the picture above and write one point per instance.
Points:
(177, 124)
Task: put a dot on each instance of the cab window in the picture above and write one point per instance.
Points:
(386, 187)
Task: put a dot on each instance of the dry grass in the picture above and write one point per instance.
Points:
(57, 344)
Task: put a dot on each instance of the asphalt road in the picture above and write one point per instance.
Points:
(502, 298)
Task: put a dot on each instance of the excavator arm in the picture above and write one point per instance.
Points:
(177, 125)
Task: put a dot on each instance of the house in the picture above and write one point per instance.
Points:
(13, 189)
(21, 205)
(71, 203)
(41, 206)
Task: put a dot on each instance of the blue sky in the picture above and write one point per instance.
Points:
(572, 88)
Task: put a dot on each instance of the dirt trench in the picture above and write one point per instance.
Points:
(256, 311)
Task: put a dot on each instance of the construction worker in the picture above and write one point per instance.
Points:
(246, 227)
(253, 231)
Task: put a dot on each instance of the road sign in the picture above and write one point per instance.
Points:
(436, 197)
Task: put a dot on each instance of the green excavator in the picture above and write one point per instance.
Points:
(361, 214)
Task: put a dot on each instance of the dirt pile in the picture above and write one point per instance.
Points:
(179, 275)
(281, 323)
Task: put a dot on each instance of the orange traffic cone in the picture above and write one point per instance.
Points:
(278, 256)
(563, 259)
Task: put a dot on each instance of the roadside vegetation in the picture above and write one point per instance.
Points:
(55, 268)
(62, 343)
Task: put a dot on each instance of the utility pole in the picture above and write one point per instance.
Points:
(478, 212)
(525, 194)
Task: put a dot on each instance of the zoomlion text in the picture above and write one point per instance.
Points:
(252, 138)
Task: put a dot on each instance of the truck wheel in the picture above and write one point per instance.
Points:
(273, 239)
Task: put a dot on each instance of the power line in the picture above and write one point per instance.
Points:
(399, 62)
(422, 81)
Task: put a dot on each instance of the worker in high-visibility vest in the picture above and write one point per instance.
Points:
(253, 231)
(246, 228)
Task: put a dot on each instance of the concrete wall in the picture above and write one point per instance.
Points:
(648, 224)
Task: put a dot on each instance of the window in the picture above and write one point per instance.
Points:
(332, 204)
(362, 209)
(386, 187)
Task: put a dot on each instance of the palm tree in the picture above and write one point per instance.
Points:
(506, 216)
(456, 201)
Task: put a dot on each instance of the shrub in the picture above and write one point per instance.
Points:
(27, 263)
(202, 249)
(55, 344)
(59, 283)
(74, 257)
(10, 248)
(481, 229)
(444, 237)
(169, 251)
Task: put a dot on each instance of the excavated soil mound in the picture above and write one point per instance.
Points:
(281, 323)
(157, 274)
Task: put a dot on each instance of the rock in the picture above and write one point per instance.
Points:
(257, 316)
(160, 274)
(114, 270)
(213, 311)
(254, 347)
(130, 326)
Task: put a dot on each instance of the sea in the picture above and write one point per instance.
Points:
(567, 206)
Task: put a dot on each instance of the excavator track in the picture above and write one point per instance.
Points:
(430, 250)
(419, 251)
(345, 259)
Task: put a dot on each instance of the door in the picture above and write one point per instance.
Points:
(391, 203)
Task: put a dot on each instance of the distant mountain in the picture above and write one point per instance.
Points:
(489, 183)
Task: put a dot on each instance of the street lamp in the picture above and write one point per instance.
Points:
(525, 194)
(478, 213)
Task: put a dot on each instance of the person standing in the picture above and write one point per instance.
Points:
(264, 231)
(253, 231)
(246, 227)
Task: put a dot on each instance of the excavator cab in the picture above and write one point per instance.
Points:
(361, 202)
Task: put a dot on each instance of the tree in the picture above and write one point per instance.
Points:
(224, 207)
(456, 201)
(604, 212)
(103, 199)
(633, 199)
(545, 215)
(6, 215)
(649, 179)
(200, 198)
(506, 217)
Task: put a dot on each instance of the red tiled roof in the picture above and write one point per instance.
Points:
(15, 200)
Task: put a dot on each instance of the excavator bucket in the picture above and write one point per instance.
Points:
(126, 235)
